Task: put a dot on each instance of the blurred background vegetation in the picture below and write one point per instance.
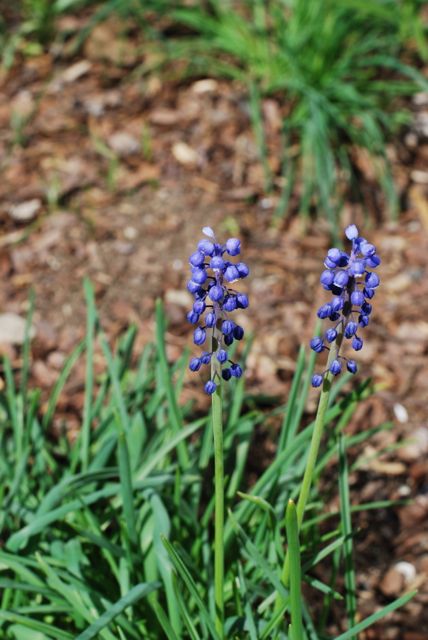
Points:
(344, 73)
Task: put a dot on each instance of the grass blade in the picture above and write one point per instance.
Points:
(364, 624)
(135, 594)
(174, 412)
(295, 571)
(91, 316)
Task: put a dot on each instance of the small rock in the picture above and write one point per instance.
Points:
(25, 211)
(184, 154)
(392, 582)
(420, 177)
(407, 570)
(12, 329)
(400, 413)
(123, 143)
(206, 85)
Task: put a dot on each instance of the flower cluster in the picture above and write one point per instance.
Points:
(211, 274)
(352, 284)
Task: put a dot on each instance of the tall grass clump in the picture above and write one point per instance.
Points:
(146, 526)
(340, 71)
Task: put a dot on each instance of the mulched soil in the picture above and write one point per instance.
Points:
(112, 175)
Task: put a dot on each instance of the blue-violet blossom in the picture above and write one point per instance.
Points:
(348, 277)
(211, 274)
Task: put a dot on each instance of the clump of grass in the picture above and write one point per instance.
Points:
(110, 536)
(339, 68)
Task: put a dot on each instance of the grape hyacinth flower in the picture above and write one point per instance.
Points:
(212, 273)
(352, 283)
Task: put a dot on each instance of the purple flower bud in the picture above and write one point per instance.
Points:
(199, 275)
(372, 280)
(217, 262)
(242, 300)
(373, 261)
(193, 287)
(199, 306)
(233, 246)
(199, 336)
(336, 304)
(366, 308)
(357, 298)
(324, 311)
(205, 357)
(357, 343)
(329, 263)
(192, 317)
(197, 259)
(228, 340)
(226, 374)
(243, 269)
(210, 319)
(363, 320)
(335, 367)
(222, 355)
(216, 293)
(367, 249)
(351, 232)
(351, 329)
(341, 279)
(206, 247)
(317, 380)
(195, 364)
(230, 303)
(317, 345)
(369, 293)
(210, 387)
(238, 332)
(351, 365)
(326, 279)
(357, 268)
(344, 259)
(200, 294)
(208, 232)
(334, 255)
(331, 335)
(231, 274)
(227, 327)
(236, 370)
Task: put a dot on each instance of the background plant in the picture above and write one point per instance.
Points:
(338, 69)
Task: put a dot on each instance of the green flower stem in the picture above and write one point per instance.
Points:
(218, 500)
(317, 434)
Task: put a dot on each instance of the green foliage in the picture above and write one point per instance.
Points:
(33, 26)
(336, 65)
(111, 536)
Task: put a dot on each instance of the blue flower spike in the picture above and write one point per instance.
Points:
(350, 279)
(212, 281)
